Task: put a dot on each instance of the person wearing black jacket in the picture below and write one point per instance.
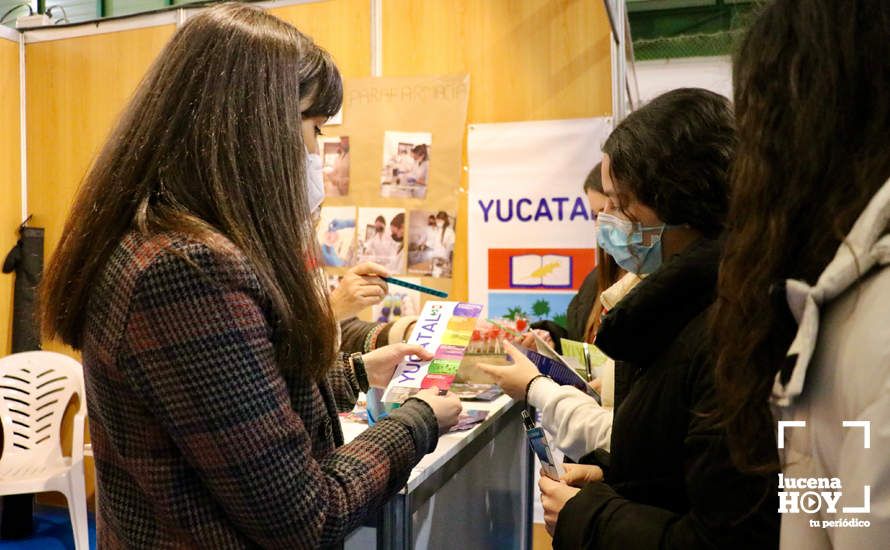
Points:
(670, 482)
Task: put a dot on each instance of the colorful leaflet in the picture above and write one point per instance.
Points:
(575, 352)
(445, 328)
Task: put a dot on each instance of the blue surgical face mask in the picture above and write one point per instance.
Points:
(633, 246)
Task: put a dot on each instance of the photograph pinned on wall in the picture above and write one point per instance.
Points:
(431, 243)
(406, 164)
(381, 236)
(336, 236)
(399, 302)
(335, 165)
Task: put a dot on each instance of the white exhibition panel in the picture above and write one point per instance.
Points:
(526, 198)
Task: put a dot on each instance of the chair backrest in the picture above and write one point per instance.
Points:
(35, 388)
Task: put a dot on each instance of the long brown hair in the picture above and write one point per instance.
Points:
(811, 86)
(607, 271)
(211, 143)
(607, 274)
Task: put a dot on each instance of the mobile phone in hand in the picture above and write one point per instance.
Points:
(538, 441)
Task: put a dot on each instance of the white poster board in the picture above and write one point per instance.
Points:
(531, 233)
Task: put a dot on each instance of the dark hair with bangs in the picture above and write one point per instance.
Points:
(210, 144)
(674, 155)
(594, 180)
(320, 81)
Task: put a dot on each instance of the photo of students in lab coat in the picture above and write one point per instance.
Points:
(382, 237)
(406, 164)
(431, 248)
(336, 235)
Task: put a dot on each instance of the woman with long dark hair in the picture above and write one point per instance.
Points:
(186, 277)
(803, 311)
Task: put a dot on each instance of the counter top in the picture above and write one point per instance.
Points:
(450, 445)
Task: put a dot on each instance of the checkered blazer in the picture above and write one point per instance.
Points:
(200, 439)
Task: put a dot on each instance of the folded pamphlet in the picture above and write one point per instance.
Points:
(445, 329)
(556, 367)
(579, 353)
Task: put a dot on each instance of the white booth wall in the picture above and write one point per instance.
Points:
(655, 77)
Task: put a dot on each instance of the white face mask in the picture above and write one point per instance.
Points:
(315, 179)
(440, 223)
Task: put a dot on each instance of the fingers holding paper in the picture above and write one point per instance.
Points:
(513, 379)
(381, 363)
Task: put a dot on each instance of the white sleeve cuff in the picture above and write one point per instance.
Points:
(576, 422)
(541, 391)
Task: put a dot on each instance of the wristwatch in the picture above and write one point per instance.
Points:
(358, 367)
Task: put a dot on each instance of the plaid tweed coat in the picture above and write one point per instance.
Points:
(200, 440)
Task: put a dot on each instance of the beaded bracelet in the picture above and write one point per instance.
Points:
(371, 338)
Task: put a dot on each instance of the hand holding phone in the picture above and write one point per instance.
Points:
(538, 441)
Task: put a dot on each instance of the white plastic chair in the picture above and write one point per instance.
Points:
(35, 388)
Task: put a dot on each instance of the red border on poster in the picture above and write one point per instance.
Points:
(583, 260)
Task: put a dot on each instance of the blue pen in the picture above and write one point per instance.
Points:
(419, 288)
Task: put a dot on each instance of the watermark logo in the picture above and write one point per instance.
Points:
(814, 495)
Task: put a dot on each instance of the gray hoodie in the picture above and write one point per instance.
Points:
(838, 396)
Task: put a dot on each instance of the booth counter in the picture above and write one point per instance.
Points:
(473, 491)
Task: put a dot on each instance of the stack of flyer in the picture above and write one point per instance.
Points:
(445, 329)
